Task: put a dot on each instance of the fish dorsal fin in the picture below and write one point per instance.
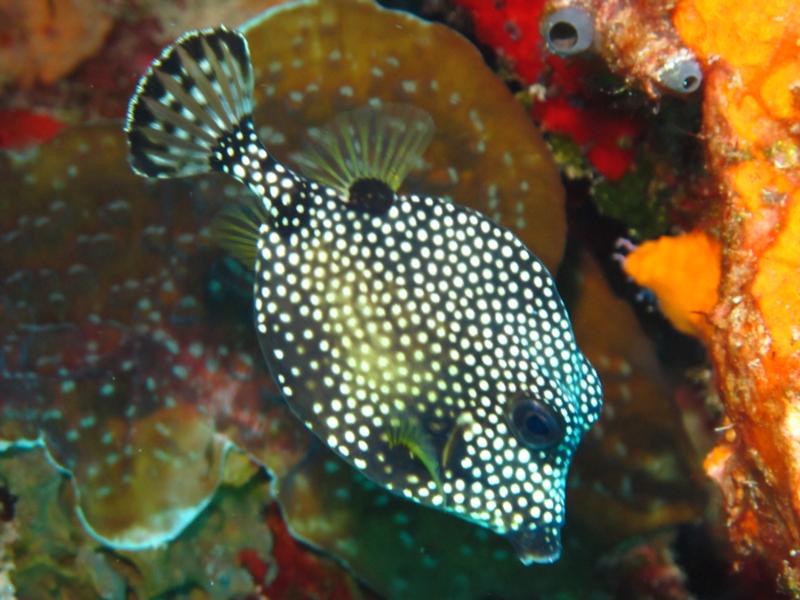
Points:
(236, 228)
(409, 434)
(363, 151)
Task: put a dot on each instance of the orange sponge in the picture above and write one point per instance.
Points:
(683, 272)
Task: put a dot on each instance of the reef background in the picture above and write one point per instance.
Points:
(687, 488)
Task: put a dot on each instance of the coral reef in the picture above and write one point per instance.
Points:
(111, 359)
(304, 574)
(43, 41)
(175, 18)
(206, 557)
(400, 548)
(684, 272)
(739, 294)
(347, 53)
(20, 129)
(606, 139)
(600, 130)
(647, 571)
(750, 122)
(131, 388)
(635, 38)
(511, 28)
(639, 455)
(79, 59)
(8, 535)
(44, 551)
(52, 556)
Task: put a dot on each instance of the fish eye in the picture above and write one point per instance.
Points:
(536, 424)
(682, 77)
(568, 31)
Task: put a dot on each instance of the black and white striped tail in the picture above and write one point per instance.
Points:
(192, 101)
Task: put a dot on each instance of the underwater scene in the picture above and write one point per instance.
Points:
(399, 299)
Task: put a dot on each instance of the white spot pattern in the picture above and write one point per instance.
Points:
(425, 314)
(432, 312)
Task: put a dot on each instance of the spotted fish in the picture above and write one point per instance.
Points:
(419, 340)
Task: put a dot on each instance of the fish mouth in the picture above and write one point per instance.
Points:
(540, 545)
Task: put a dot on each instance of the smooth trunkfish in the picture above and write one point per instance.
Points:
(422, 342)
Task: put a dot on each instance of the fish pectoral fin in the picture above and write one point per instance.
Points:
(409, 434)
(366, 153)
(236, 229)
(463, 421)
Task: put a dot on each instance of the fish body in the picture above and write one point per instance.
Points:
(419, 340)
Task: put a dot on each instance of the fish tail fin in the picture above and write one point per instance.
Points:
(191, 104)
